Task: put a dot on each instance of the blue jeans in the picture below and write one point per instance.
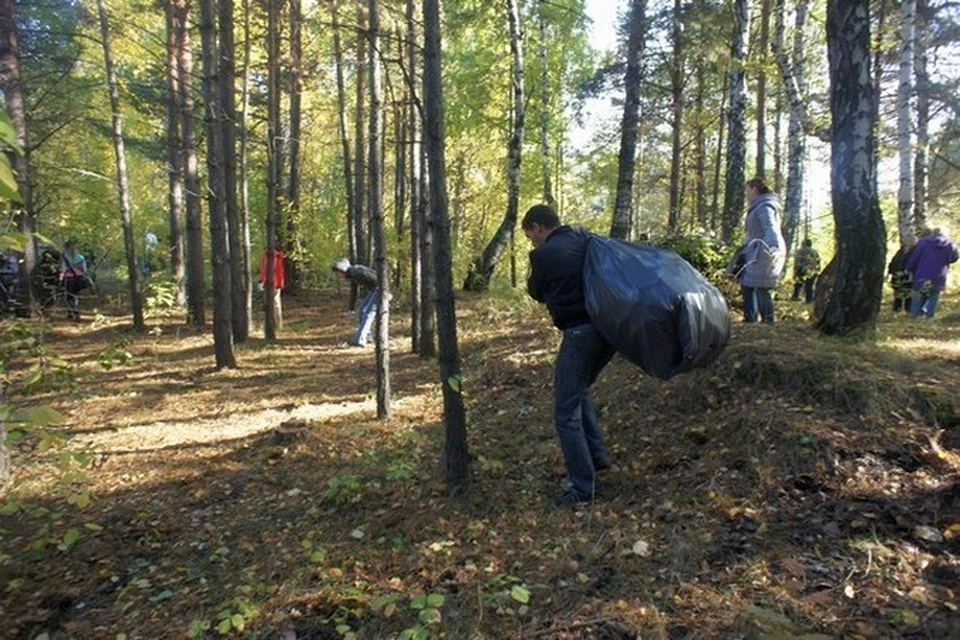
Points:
(757, 301)
(367, 314)
(924, 303)
(583, 355)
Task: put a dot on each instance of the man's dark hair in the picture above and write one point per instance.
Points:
(807, 242)
(541, 214)
(759, 184)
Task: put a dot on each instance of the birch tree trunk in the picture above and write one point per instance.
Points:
(345, 146)
(796, 135)
(196, 283)
(676, 122)
(764, 45)
(174, 164)
(905, 224)
(416, 212)
(456, 456)
(478, 277)
(271, 317)
(733, 193)
(292, 247)
(219, 246)
(123, 184)
(545, 109)
(627, 161)
(854, 300)
(360, 163)
(377, 223)
(920, 173)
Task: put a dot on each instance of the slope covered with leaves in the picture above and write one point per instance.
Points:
(800, 487)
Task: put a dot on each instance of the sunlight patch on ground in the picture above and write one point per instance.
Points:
(949, 348)
(166, 434)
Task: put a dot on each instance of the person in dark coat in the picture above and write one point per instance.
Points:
(927, 266)
(806, 268)
(556, 279)
(899, 278)
(366, 279)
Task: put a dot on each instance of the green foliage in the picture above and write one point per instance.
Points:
(159, 295)
(116, 354)
(344, 489)
(706, 254)
(507, 594)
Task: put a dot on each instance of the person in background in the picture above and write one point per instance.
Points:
(279, 282)
(927, 266)
(763, 252)
(806, 268)
(556, 279)
(73, 277)
(899, 278)
(366, 279)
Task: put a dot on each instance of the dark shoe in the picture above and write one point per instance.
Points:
(569, 497)
(601, 466)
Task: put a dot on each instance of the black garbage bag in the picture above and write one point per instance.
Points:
(653, 307)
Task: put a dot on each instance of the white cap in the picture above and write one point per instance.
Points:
(341, 264)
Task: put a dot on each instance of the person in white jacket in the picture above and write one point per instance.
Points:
(764, 252)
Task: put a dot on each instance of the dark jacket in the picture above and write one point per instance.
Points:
(363, 276)
(556, 276)
(930, 260)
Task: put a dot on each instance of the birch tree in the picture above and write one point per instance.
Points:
(908, 14)
(545, 163)
(733, 193)
(272, 317)
(174, 165)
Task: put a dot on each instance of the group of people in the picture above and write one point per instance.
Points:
(68, 268)
(918, 272)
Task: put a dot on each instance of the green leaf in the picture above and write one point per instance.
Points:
(435, 600)
(15, 241)
(455, 383)
(520, 594)
(418, 602)
(43, 416)
(224, 627)
(16, 435)
(93, 526)
(430, 616)
(8, 183)
(237, 621)
(381, 603)
(8, 132)
(71, 537)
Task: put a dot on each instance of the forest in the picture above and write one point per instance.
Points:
(193, 446)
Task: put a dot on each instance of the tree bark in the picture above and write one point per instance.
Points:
(271, 318)
(854, 301)
(246, 267)
(174, 164)
(226, 81)
(478, 277)
(360, 163)
(377, 223)
(545, 152)
(123, 183)
(733, 193)
(718, 160)
(400, 145)
(456, 456)
(700, 170)
(345, 146)
(292, 247)
(416, 212)
(629, 124)
(920, 172)
(908, 14)
(676, 123)
(219, 246)
(428, 286)
(796, 136)
(196, 283)
(762, 89)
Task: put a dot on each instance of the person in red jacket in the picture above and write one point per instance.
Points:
(279, 282)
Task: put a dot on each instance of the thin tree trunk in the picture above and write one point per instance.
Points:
(345, 147)
(378, 225)
(545, 110)
(908, 14)
(196, 283)
(219, 246)
(878, 68)
(123, 185)
(459, 186)
(174, 165)
(416, 212)
(274, 160)
(428, 287)
(700, 171)
(676, 121)
(226, 81)
(636, 40)
(778, 143)
(456, 456)
(854, 300)
(478, 278)
(400, 124)
(762, 89)
(793, 205)
(920, 173)
(718, 160)
(360, 163)
(733, 194)
(245, 170)
(293, 185)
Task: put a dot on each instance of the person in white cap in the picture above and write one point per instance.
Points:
(365, 278)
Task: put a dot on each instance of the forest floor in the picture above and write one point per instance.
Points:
(800, 487)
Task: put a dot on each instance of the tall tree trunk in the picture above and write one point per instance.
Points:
(676, 120)
(478, 278)
(920, 174)
(459, 187)
(854, 300)
(245, 171)
(219, 246)
(416, 212)
(793, 205)
(455, 453)
(718, 159)
(778, 143)
(700, 170)
(908, 14)
(428, 286)
(226, 80)
(636, 40)
(545, 109)
(359, 144)
(293, 185)
(762, 89)
(878, 52)
(345, 147)
(196, 282)
(174, 165)
(123, 185)
(274, 160)
(733, 193)
(401, 122)
(377, 222)
(23, 212)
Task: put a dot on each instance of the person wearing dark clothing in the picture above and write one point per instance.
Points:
(556, 279)
(806, 268)
(365, 278)
(899, 278)
(927, 266)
